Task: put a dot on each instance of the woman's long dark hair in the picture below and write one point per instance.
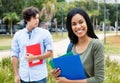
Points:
(90, 31)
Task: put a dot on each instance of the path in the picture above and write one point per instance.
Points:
(4, 53)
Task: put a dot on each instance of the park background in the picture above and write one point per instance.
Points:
(104, 16)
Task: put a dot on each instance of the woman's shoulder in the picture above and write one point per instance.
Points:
(97, 42)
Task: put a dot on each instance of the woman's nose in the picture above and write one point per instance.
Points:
(78, 25)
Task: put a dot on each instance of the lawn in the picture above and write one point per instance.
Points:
(5, 42)
(112, 45)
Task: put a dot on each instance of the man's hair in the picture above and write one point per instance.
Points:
(90, 31)
(29, 12)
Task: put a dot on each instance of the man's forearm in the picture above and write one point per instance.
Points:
(15, 65)
(48, 54)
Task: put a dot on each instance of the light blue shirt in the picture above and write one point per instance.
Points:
(19, 43)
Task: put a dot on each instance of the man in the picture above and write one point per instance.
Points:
(31, 35)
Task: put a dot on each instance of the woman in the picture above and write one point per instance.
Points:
(85, 43)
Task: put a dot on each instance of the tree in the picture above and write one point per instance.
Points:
(12, 18)
(13, 6)
(48, 9)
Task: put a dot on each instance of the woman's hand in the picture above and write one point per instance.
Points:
(29, 57)
(55, 72)
(62, 80)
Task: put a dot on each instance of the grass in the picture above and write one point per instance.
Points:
(59, 36)
(5, 47)
(112, 45)
(5, 40)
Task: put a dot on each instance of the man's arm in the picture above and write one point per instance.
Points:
(15, 65)
(46, 55)
(15, 68)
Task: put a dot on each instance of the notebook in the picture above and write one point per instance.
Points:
(51, 61)
(71, 67)
(34, 49)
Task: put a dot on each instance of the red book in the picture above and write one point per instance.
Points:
(35, 50)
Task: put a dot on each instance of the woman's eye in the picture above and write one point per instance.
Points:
(80, 22)
(73, 24)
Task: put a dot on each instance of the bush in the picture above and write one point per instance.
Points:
(7, 75)
(112, 72)
(6, 71)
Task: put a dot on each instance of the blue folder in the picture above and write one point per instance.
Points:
(71, 67)
(52, 63)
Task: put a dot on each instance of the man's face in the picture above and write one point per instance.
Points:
(33, 22)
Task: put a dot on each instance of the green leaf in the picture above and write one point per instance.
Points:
(60, 0)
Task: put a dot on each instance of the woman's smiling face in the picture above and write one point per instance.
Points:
(79, 25)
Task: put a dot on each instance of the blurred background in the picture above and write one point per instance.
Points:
(104, 14)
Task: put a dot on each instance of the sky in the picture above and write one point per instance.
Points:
(110, 1)
(70, 0)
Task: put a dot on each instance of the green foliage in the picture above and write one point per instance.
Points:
(49, 78)
(96, 11)
(12, 6)
(6, 71)
(112, 71)
(11, 17)
(60, 0)
(107, 22)
(112, 74)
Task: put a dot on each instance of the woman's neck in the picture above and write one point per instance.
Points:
(83, 40)
(82, 44)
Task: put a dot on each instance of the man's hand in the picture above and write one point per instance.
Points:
(17, 79)
(29, 57)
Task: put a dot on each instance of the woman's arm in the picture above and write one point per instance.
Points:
(65, 80)
(55, 74)
(98, 54)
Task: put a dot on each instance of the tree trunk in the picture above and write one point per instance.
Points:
(11, 30)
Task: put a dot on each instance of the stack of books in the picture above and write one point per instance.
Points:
(70, 65)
